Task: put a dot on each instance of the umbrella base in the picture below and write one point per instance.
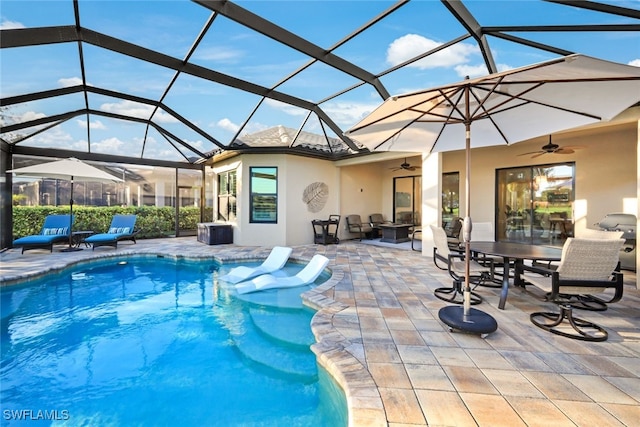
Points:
(475, 322)
(71, 249)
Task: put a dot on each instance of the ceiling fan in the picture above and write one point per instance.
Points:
(552, 148)
(405, 166)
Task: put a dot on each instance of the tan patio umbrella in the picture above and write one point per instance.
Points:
(501, 108)
(70, 169)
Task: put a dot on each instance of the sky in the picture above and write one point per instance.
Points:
(170, 27)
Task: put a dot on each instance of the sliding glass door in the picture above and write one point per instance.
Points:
(407, 206)
(534, 203)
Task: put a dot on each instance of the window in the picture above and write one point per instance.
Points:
(450, 196)
(227, 196)
(264, 194)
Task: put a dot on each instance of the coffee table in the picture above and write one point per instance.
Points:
(395, 233)
(516, 252)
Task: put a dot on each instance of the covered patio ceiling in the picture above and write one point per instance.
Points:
(177, 83)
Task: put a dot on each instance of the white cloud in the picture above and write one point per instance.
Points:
(504, 67)
(253, 127)
(28, 116)
(7, 119)
(227, 125)
(285, 108)
(57, 138)
(219, 54)
(71, 81)
(348, 113)
(135, 109)
(10, 25)
(471, 70)
(195, 144)
(97, 124)
(110, 145)
(412, 45)
(635, 62)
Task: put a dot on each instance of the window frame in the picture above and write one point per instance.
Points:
(229, 195)
(255, 195)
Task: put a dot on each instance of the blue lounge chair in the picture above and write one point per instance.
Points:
(275, 261)
(268, 281)
(121, 228)
(55, 229)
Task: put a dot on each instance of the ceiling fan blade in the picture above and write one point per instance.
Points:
(565, 150)
(531, 152)
(540, 153)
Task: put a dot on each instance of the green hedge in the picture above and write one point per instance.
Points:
(152, 221)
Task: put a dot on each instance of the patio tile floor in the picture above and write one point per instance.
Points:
(379, 335)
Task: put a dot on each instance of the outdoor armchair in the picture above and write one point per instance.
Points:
(452, 229)
(355, 225)
(587, 267)
(484, 232)
(454, 262)
(54, 230)
(377, 219)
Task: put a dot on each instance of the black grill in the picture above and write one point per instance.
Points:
(627, 224)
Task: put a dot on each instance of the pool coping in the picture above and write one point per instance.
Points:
(364, 403)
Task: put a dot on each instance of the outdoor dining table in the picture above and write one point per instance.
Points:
(516, 252)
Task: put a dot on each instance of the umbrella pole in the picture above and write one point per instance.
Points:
(71, 248)
(466, 227)
(465, 318)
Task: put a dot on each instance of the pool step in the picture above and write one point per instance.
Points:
(289, 327)
(276, 298)
(287, 363)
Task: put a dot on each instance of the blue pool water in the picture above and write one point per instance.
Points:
(160, 342)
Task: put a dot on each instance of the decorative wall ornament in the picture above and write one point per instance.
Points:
(315, 196)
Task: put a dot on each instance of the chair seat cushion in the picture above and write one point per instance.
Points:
(39, 239)
(105, 237)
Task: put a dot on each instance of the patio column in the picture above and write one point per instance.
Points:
(637, 207)
(6, 203)
(431, 198)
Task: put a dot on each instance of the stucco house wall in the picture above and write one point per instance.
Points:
(294, 217)
(360, 193)
(605, 168)
(606, 181)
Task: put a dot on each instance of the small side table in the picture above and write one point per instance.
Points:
(77, 238)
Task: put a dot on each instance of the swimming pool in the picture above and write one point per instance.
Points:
(152, 341)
